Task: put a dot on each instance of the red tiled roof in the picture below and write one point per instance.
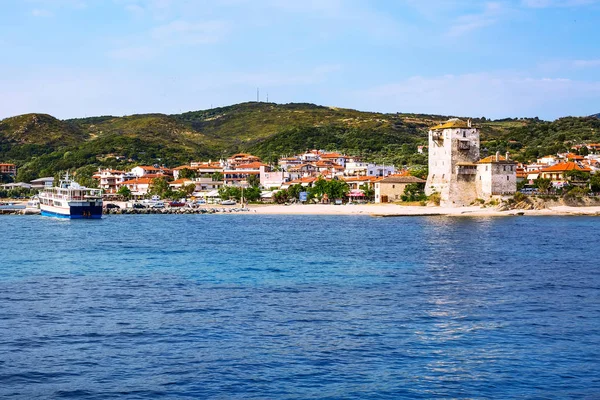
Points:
(139, 181)
(252, 165)
(568, 166)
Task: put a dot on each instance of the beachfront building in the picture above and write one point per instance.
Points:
(496, 176)
(285, 163)
(149, 171)
(238, 175)
(138, 186)
(41, 183)
(272, 179)
(202, 169)
(109, 180)
(8, 169)
(547, 160)
(391, 188)
(240, 159)
(360, 168)
(457, 173)
(559, 173)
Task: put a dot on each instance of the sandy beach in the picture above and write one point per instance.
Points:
(395, 210)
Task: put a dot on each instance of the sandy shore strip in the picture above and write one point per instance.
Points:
(393, 210)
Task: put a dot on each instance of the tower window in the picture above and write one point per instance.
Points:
(507, 177)
(464, 134)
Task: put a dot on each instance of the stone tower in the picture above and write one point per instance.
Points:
(453, 153)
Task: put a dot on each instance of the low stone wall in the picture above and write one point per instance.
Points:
(182, 210)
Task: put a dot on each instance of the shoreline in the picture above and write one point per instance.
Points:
(394, 210)
(372, 210)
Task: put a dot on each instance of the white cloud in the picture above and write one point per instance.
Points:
(491, 13)
(586, 63)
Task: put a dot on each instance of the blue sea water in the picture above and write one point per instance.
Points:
(279, 307)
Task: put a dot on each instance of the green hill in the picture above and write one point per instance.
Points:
(43, 145)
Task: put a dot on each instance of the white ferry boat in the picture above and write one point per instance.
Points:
(70, 200)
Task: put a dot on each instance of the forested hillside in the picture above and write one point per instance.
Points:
(42, 145)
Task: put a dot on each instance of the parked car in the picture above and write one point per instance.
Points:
(111, 206)
(228, 203)
(176, 204)
(158, 204)
(138, 206)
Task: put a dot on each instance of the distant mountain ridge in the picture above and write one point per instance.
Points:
(42, 145)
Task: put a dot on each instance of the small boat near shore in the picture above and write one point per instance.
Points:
(71, 200)
(11, 206)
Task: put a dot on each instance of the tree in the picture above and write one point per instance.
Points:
(253, 180)
(281, 196)
(595, 183)
(25, 175)
(367, 190)
(576, 175)
(188, 189)
(420, 171)
(337, 189)
(187, 173)
(319, 188)
(414, 192)
(252, 193)
(294, 191)
(584, 151)
(217, 176)
(84, 176)
(160, 187)
(230, 192)
(543, 184)
(125, 192)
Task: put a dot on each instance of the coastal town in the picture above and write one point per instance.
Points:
(459, 174)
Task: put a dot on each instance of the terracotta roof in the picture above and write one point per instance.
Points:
(451, 124)
(568, 166)
(333, 155)
(303, 180)
(359, 178)
(139, 181)
(572, 156)
(209, 166)
(252, 165)
(182, 181)
(7, 165)
(402, 179)
(492, 159)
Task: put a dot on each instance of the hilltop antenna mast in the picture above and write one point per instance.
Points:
(257, 96)
(267, 97)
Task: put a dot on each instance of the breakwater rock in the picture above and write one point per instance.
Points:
(172, 210)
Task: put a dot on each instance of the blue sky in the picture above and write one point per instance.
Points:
(75, 58)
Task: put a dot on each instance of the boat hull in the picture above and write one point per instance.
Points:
(80, 212)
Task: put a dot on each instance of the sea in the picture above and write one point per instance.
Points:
(299, 307)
